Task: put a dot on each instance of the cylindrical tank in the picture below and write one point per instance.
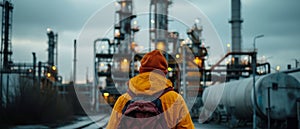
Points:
(237, 96)
(296, 74)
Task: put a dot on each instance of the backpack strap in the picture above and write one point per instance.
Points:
(156, 101)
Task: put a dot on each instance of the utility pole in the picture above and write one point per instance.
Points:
(74, 63)
(87, 75)
(56, 50)
(39, 75)
(253, 88)
(34, 67)
(253, 73)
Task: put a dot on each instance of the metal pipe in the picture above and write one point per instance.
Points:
(296, 63)
(39, 75)
(7, 89)
(269, 109)
(167, 58)
(34, 67)
(56, 51)
(74, 63)
(203, 75)
(184, 72)
(1, 82)
(254, 90)
(298, 112)
(254, 72)
(132, 64)
(95, 74)
(254, 39)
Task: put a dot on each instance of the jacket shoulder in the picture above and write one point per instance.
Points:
(120, 103)
(171, 96)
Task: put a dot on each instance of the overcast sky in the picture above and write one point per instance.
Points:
(87, 20)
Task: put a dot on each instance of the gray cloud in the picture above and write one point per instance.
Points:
(278, 20)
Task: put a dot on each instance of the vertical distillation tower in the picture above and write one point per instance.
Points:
(159, 24)
(236, 22)
(123, 37)
(52, 48)
(6, 46)
(123, 29)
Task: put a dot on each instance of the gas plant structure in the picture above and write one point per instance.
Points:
(13, 74)
(116, 61)
(119, 61)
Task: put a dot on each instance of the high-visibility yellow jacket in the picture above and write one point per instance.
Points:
(175, 110)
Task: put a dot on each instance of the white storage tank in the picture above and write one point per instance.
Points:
(237, 96)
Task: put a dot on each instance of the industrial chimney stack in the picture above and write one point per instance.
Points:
(236, 22)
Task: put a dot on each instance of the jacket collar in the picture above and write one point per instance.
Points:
(148, 83)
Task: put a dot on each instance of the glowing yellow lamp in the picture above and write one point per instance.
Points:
(105, 94)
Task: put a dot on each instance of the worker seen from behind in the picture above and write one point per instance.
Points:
(150, 101)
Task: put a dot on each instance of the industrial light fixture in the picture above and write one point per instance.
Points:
(48, 74)
(170, 69)
(278, 68)
(53, 68)
(105, 94)
(177, 56)
(197, 61)
(125, 60)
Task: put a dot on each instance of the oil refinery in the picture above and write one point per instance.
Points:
(230, 88)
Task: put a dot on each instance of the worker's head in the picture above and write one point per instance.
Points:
(154, 61)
